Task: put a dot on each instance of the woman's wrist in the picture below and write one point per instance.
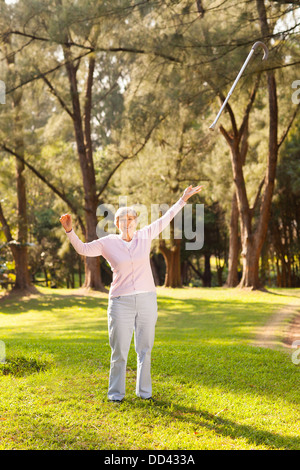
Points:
(69, 230)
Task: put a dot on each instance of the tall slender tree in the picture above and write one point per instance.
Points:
(19, 244)
(71, 29)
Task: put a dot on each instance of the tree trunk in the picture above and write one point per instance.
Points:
(250, 257)
(219, 275)
(265, 268)
(83, 142)
(207, 271)
(92, 265)
(253, 240)
(20, 251)
(19, 248)
(172, 259)
(234, 245)
(185, 273)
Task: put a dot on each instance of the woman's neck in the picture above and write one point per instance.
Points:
(126, 237)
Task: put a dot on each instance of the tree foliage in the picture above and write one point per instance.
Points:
(117, 98)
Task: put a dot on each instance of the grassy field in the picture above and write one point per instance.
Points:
(213, 389)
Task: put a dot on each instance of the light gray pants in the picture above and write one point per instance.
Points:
(128, 313)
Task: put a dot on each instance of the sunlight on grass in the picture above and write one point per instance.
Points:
(213, 390)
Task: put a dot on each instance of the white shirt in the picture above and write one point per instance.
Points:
(137, 291)
(127, 243)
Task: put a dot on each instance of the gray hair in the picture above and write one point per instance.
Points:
(123, 211)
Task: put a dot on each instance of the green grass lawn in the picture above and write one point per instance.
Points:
(213, 389)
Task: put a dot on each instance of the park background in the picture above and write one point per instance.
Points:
(104, 99)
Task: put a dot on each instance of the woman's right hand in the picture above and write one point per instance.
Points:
(66, 222)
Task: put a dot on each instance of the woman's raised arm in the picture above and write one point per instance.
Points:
(92, 249)
(190, 191)
(156, 227)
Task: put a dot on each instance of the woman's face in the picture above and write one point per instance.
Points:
(127, 223)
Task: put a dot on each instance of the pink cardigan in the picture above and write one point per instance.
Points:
(130, 265)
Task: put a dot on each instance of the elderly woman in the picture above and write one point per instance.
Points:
(132, 304)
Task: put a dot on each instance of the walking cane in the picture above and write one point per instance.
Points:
(265, 56)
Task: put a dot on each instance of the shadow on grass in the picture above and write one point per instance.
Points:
(49, 302)
(213, 320)
(14, 304)
(289, 292)
(200, 418)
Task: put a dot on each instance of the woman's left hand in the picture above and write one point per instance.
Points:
(190, 191)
